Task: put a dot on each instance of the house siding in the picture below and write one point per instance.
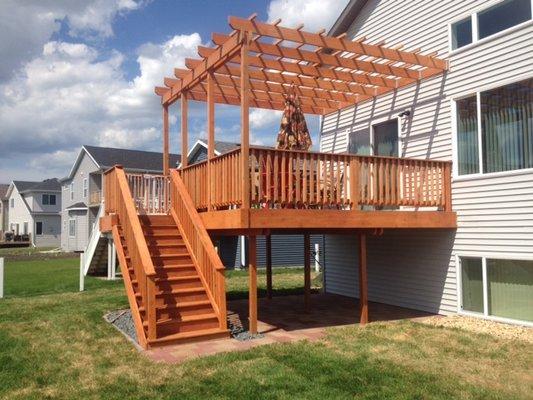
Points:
(495, 213)
(84, 170)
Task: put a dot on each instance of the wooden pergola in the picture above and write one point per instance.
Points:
(257, 63)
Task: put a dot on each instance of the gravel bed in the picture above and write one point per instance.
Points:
(123, 321)
(479, 325)
(237, 330)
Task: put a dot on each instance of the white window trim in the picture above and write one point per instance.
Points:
(85, 188)
(69, 221)
(455, 156)
(475, 31)
(484, 257)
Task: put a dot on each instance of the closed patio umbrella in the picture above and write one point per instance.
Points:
(293, 133)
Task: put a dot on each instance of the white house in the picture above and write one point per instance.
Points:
(480, 115)
(34, 209)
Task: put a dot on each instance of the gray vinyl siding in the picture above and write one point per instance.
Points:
(495, 213)
(85, 168)
(287, 250)
(51, 236)
(199, 155)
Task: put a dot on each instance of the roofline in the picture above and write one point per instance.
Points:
(40, 190)
(346, 18)
(198, 143)
(76, 163)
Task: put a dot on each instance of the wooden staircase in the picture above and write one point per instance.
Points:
(168, 291)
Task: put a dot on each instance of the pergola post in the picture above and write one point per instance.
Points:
(268, 241)
(363, 284)
(252, 284)
(184, 129)
(210, 136)
(307, 271)
(165, 140)
(245, 122)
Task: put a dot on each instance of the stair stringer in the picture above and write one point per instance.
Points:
(198, 270)
(134, 307)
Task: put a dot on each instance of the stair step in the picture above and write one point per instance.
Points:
(186, 323)
(184, 337)
(184, 319)
(182, 305)
(172, 279)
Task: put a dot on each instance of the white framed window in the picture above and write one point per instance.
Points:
(38, 228)
(492, 132)
(499, 288)
(488, 22)
(72, 191)
(49, 199)
(85, 188)
(72, 227)
(12, 203)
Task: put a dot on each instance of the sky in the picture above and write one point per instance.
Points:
(75, 72)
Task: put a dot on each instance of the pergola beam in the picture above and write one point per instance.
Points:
(334, 43)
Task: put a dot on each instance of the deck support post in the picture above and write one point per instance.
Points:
(252, 283)
(363, 281)
(307, 271)
(210, 137)
(268, 241)
(245, 122)
(113, 260)
(165, 140)
(109, 259)
(184, 129)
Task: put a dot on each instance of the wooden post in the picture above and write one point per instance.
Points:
(307, 271)
(82, 275)
(245, 123)
(363, 284)
(447, 189)
(355, 170)
(252, 289)
(1, 277)
(184, 129)
(165, 140)
(151, 308)
(210, 137)
(269, 265)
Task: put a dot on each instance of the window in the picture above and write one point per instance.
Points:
(499, 122)
(38, 228)
(385, 139)
(49, 199)
(72, 227)
(497, 287)
(12, 203)
(72, 191)
(85, 188)
(488, 22)
(462, 33)
(501, 16)
(25, 228)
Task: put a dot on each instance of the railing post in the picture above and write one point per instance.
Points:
(355, 170)
(150, 308)
(222, 299)
(184, 129)
(210, 139)
(447, 189)
(245, 122)
(165, 140)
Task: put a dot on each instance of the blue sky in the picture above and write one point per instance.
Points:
(77, 72)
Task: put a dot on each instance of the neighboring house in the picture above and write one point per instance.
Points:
(82, 189)
(480, 116)
(3, 208)
(287, 250)
(34, 208)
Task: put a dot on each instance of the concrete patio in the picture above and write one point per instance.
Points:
(284, 319)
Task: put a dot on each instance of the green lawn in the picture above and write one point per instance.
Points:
(57, 346)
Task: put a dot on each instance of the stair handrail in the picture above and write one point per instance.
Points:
(119, 201)
(93, 240)
(208, 263)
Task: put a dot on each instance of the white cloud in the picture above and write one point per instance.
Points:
(260, 118)
(27, 25)
(315, 14)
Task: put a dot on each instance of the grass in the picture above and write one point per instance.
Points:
(57, 346)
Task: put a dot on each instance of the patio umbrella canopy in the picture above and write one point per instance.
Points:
(293, 133)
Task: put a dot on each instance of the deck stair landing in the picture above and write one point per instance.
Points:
(183, 309)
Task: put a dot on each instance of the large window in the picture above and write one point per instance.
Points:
(38, 228)
(487, 22)
(497, 288)
(49, 199)
(500, 123)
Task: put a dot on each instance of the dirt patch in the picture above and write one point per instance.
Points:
(479, 325)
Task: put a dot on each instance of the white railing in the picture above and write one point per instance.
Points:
(93, 241)
(150, 193)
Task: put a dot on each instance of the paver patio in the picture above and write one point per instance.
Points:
(284, 319)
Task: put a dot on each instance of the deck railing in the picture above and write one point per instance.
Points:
(151, 193)
(297, 179)
(210, 267)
